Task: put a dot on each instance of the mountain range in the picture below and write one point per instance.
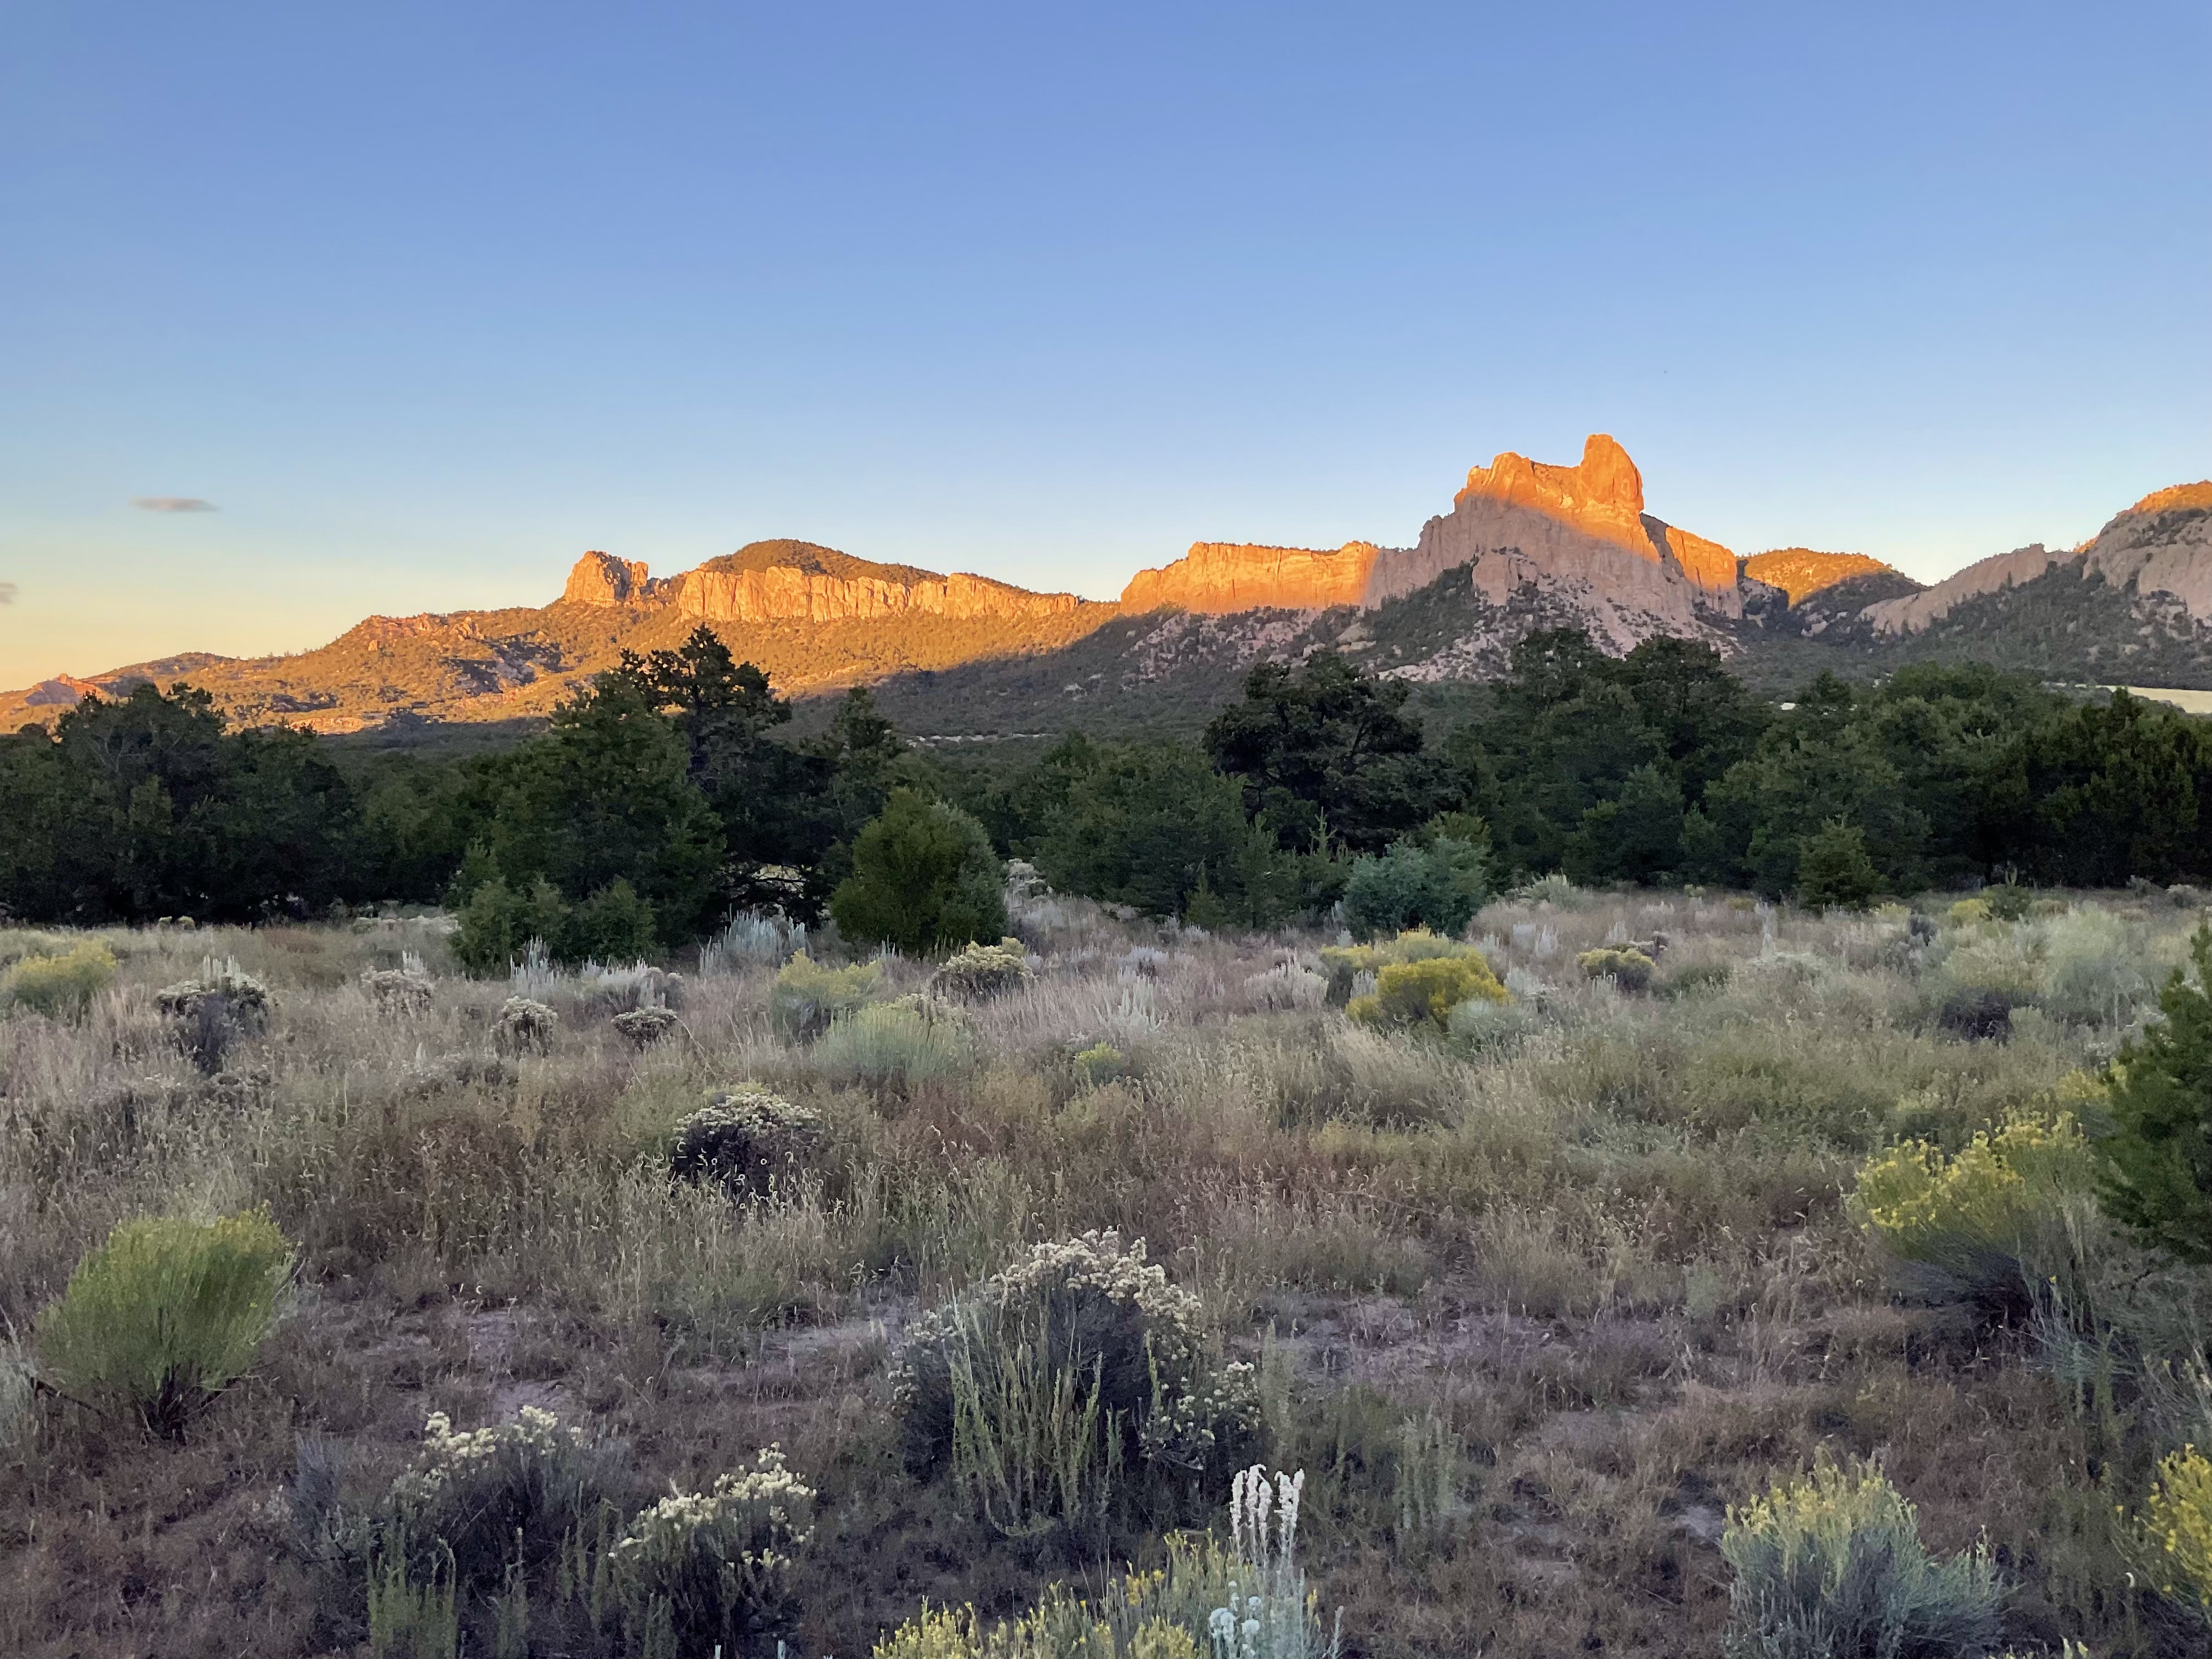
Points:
(1525, 545)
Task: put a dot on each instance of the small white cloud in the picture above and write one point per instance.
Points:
(173, 504)
(7, 592)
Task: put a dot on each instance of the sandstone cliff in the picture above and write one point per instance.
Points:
(798, 581)
(1217, 578)
(603, 578)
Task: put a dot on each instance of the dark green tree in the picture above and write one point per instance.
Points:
(2158, 1158)
(925, 878)
(1833, 870)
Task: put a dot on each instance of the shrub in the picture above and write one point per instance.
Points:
(2008, 901)
(486, 1501)
(58, 985)
(1076, 1363)
(1345, 963)
(1968, 913)
(2158, 1180)
(643, 1027)
(699, 1570)
(210, 1014)
(754, 937)
(1482, 1025)
(1994, 1221)
(1439, 886)
(1424, 992)
(808, 996)
(1101, 1063)
(2178, 1528)
(2091, 973)
(1980, 1015)
(523, 1027)
(165, 1315)
(925, 878)
(983, 970)
(1833, 1565)
(497, 923)
(901, 1043)
(398, 990)
(1834, 871)
(744, 1139)
(1629, 969)
(612, 925)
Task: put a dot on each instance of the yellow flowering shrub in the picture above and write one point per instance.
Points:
(1994, 1216)
(1425, 991)
(2177, 1526)
(1968, 913)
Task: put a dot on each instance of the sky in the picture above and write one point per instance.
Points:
(309, 312)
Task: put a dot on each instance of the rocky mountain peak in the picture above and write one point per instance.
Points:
(603, 578)
(1601, 495)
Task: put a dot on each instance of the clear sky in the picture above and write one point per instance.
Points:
(427, 299)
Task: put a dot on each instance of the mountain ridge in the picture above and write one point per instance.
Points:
(1525, 543)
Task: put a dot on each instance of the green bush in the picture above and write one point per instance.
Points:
(1077, 1367)
(1424, 992)
(497, 923)
(1835, 870)
(1100, 1064)
(165, 1315)
(1833, 1565)
(59, 985)
(807, 996)
(1439, 886)
(888, 1043)
(1345, 963)
(745, 1140)
(698, 1571)
(2158, 1179)
(925, 878)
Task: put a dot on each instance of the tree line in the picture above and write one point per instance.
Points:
(672, 792)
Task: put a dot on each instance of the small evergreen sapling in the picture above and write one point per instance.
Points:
(2158, 1159)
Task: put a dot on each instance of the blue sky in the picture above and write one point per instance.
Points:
(426, 300)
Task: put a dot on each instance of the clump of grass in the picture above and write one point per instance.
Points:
(808, 996)
(60, 985)
(983, 970)
(1832, 1564)
(160, 1320)
(698, 1571)
(747, 1139)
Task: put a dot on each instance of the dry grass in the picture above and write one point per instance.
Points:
(1604, 1259)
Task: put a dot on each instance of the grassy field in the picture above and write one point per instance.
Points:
(1532, 1302)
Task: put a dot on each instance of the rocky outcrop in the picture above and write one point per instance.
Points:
(798, 581)
(2162, 544)
(603, 578)
(1800, 572)
(1217, 578)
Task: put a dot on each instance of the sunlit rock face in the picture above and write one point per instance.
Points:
(1800, 572)
(798, 581)
(2162, 544)
(603, 578)
(1216, 578)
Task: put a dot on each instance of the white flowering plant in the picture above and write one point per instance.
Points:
(745, 1139)
(496, 1497)
(702, 1568)
(525, 1025)
(1089, 1322)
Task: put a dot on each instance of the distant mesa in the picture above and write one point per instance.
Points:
(1218, 578)
(785, 581)
(1800, 572)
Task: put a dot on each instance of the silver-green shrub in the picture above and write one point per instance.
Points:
(1832, 1564)
(893, 1044)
